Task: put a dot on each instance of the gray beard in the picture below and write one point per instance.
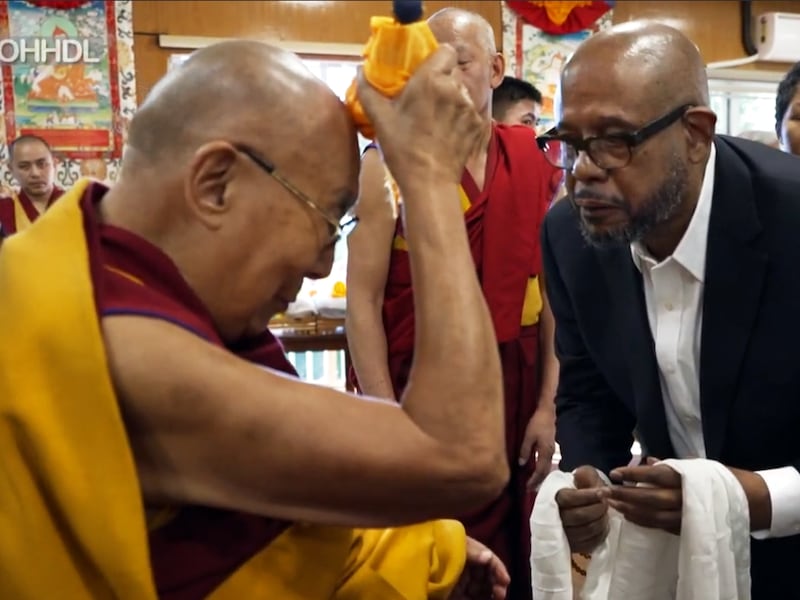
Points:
(657, 209)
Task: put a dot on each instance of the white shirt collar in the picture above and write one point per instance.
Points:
(690, 252)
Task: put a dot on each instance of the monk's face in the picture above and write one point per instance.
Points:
(33, 167)
(282, 227)
(790, 126)
(481, 69)
(523, 112)
(628, 202)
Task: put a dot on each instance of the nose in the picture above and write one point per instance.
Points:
(585, 169)
(322, 268)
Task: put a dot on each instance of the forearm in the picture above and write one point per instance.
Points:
(368, 349)
(455, 387)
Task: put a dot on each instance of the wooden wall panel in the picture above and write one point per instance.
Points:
(151, 62)
(340, 22)
(332, 22)
(713, 25)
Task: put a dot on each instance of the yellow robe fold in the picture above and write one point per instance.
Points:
(72, 522)
(71, 516)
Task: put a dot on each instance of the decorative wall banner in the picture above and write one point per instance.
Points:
(83, 108)
(537, 56)
(558, 18)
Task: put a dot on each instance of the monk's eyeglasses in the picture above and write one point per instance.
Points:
(613, 151)
(339, 229)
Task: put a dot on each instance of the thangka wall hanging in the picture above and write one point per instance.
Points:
(79, 102)
(536, 53)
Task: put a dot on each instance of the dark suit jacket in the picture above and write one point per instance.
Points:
(750, 349)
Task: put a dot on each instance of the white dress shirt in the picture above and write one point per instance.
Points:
(673, 291)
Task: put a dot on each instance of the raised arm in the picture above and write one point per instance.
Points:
(208, 428)
(369, 249)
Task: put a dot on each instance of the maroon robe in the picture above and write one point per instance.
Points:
(200, 547)
(503, 224)
(8, 221)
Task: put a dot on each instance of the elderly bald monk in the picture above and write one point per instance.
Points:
(683, 245)
(154, 440)
(505, 190)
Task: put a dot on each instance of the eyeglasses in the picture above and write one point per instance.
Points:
(608, 152)
(339, 229)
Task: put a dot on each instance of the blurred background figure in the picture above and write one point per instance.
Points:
(516, 102)
(765, 137)
(787, 111)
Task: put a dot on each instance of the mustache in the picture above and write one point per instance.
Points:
(591, 195)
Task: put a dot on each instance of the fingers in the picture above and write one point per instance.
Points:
(499, 572)
(587, 537)
(646, 516)
(568, 499)
(525, 451)
(587, 477)
(477, 553)
(659, 475)
(544, 463)
(372, 101)
(443, 61)
(653, 498)
(583, 516)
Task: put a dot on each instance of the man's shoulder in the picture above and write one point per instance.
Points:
(561, 222)
(765, 165)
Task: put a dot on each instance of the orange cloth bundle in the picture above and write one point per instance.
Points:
(393, 52)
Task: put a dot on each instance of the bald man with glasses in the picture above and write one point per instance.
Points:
(155, 440)
(672, 275)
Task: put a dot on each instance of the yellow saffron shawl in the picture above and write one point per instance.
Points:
(72, 521)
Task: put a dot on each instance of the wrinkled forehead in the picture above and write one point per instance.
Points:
(589, 97)
(330, 168)
(463, 33)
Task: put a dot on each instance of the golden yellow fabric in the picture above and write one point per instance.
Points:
(391, 55)
(21, 219)
(533, 304)
(72, 524)
(312, 562)
(71, 517)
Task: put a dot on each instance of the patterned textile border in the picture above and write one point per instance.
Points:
(98, 160)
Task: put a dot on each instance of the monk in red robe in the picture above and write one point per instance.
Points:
(505, 191)
(31, 164)
(155, 443)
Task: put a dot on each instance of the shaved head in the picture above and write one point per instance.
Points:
(642, 88)
(239, 90)
(28, 139)
(650, 62)
(444, 21)
(239, 165)
(31, 162)
(472, 37)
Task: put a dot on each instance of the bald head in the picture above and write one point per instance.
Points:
(641, 88)
(451, 22)
(243, 91)
(239, 165)
(648, 62)
(480, 64)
